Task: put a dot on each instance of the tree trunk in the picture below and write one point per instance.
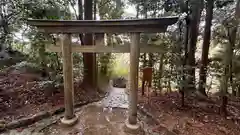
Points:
(238, 92)
(94, 17)
(80, 10)
(42, 55)
(150, 61)
(145, 8)
(150, 55)
(232, 31)
(196, 9)
(80, 17)
(224, 84)
(89, 59)
(169, 88)
(205, 47)
(232, 40)
(137, 8)
(160, 72)
(234, 92)
(95, 10)
(3, 37)
(5, 34)
(184, 71)
(145, 36)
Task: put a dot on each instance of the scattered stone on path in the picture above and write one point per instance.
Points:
(117, 98)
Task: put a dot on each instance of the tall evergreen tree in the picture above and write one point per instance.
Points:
(89, 59)
(205, 47)
(196, 7)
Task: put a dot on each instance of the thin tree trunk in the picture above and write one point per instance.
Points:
(80, 17)
(145, 8)
(169, 80)
(3, 37)
(232, 37)
(232, 40)
(205, 47)
(184, 71)
(80, 10)
(94, 16)
(5, 27)
(237, 14)
(232, 31)
(224, 84)
(144, 60)
(234, 92)
(150, 55)
(145, 37)
(137, 16)
(150, 61)
(238, 93)
(95, 10)
(160, 71)
(196, 9)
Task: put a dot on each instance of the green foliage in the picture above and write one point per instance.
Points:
(120, 66)
(165, 76)
(28, 67)
(32, 43)
(110, 9)
(105, 62)
(47, 9)
(223, 23)
(223, 3)
(14, 13)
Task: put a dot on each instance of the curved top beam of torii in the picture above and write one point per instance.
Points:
(153, 25)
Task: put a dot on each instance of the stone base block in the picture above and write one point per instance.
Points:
(69, 122)
(133, 129)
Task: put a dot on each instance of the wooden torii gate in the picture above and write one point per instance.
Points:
(134, 27)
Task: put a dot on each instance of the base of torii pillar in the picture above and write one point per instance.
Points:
(69, 122)
(131, 125)
(69, 118)
(133, 128)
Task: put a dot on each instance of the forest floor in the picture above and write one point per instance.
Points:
(24, 93)
(196, 117)
(107, 117)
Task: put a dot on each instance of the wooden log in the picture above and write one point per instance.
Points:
(68, 79)
(109, 49)
(134, 65)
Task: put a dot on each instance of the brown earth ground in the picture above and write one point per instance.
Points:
(195, 118)
(22, 96)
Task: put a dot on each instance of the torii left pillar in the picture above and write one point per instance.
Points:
(69, 116)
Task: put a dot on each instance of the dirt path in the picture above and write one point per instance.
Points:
(105, 117)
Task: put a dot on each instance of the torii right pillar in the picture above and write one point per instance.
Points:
(131, 124)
